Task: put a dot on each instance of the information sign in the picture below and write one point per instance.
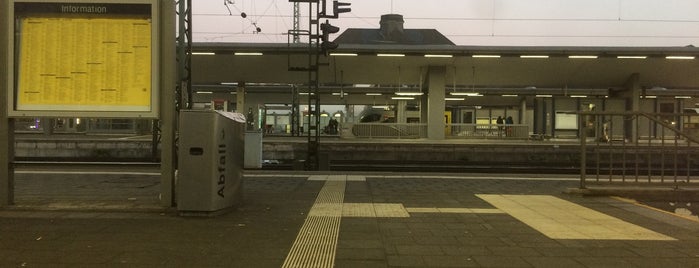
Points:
(85, 58)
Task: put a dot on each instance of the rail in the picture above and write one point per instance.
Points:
(487, 131)
(419, 131)
(384, 130)
(666, 155)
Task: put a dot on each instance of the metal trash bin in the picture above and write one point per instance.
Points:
(210, 162)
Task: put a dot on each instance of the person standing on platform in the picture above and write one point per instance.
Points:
(499, 122)
(509, 122)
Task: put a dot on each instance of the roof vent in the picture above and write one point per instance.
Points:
(392, 26)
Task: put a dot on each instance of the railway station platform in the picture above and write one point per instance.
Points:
(81, 217)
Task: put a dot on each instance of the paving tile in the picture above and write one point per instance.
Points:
(501, 261)
(405, 261)
(449, 261)
(553, 262)
(360, 254)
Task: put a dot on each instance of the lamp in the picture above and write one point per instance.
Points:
(473, 92)
(408, 93)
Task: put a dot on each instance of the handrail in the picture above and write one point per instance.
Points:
(624, 161)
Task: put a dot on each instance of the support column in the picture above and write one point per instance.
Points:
(6, 124)
(168, 114)
(436, 76)
(633, 104)
(523, 111)
(240, 99)
(401, 116)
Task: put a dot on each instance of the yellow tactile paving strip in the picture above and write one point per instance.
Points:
(316, 242)
(560, 219)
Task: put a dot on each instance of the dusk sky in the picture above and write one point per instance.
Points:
(473, 22)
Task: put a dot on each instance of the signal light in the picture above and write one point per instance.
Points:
(326, 30)
(340, 7)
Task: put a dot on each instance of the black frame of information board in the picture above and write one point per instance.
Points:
(117, 75)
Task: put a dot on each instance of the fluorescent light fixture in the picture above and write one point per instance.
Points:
(204, 92)
(509, 95)
(229, 83)
(632, 57)
(582, 57)
(578, 96)
(402, 98)
(204, 53)
(680, 57)
(385, 107)
(362, 85)
(344, 54)
(454, 99)
(438, 56)
(234, 93)
(534, 56)
(470, 94)
(373, 94)
(248, 54)
(340, 93)
(409, 93)
(390, 55)
(683, 97)
(306, 93)
(485, 56)
(544, 96)
(650, 97)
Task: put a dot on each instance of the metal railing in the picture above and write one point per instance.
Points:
(419, 131)
(661, 154)
(384, 130)
(488, 131)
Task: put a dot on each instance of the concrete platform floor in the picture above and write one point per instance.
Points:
(112, 219)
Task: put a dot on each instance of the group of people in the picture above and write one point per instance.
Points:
(502, 122)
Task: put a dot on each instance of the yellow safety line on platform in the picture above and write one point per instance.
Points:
(560, 219)
(316, 243)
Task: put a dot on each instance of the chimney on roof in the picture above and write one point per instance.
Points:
(392, 26)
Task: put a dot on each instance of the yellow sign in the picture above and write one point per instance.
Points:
(84, 64)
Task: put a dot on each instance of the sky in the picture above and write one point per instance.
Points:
(472, 22)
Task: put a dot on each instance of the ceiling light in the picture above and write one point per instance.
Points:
(409, 93)
(204, 92)
(437, 56)
(683, 97)
(680, 57)
(402, 98)
(534, 56)
(454, 99)
(582, 57)
(470, 94)
(340, 94)
(632, 57)
(578, 96)
(651, 97)
(362, 85)
(510, 95)
(229, 83)
(390, 55)
(204, 53)
(248, 54)
(344, 54)
(485, 56)
(544, 96)
(373, 94)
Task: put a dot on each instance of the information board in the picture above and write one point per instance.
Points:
(85, 58)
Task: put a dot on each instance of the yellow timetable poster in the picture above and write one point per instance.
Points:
(86, 64)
